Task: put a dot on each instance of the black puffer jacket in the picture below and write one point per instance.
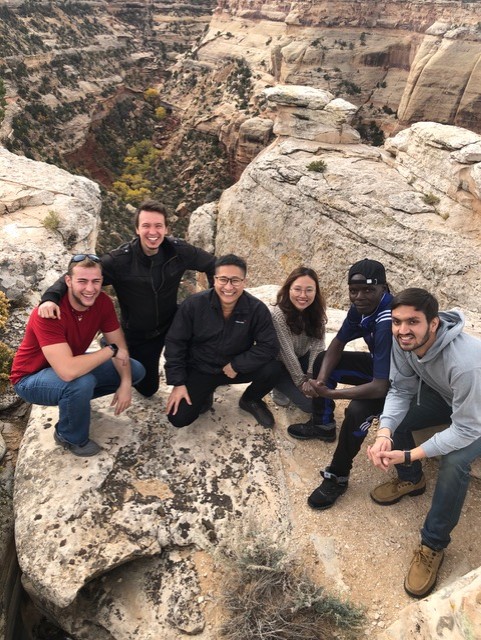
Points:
(201, 339)
(146, 286)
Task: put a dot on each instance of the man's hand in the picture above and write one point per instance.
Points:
(229, 371)
(49, 310)
(320, 390)
(378, 452)
(122, 399)
(176, 396)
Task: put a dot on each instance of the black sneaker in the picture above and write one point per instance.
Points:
(259, 410)
(310, 431)
(326, 494)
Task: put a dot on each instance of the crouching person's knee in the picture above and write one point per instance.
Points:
(178, 420)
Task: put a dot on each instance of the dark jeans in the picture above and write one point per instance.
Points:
(286, 386)
(200, 385)
(453, 477)
(148, 353)
(354, 368)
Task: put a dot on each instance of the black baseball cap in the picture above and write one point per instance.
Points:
(372, 270)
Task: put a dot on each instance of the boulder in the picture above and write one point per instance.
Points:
(452, 612)
(414, 206)
(202, 225)
(46, 214)
(117, 546)
(311, 114)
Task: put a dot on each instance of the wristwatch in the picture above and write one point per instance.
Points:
(407, 458)
(114, 348)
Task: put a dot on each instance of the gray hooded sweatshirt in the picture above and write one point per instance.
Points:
(452, 367)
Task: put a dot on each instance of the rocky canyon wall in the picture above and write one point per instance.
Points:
(399, 62)
(317, 196)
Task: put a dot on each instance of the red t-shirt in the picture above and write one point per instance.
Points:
(76, 328)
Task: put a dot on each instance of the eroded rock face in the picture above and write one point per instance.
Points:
(133, 530)
(416, 209)
(452, 612)
(457, 101)
(46, 214)
(311, 114)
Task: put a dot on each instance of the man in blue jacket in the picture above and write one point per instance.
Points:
(146, 275)
(369, 317)
(435, 380)
(221, 336)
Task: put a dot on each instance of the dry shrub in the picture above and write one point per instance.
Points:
(268, 596)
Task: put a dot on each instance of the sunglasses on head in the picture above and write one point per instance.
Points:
(83, 256)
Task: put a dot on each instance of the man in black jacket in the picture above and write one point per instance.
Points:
(146, 275)
(221, 336)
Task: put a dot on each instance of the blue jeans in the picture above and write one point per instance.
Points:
(73, 398)
(453, 477)
(288, 388)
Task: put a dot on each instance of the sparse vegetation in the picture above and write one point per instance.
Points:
(430, 198)
(51, 221)
(351, 88)
(3, 102)
(317, 165)
(268, 596)
(6, 354)
(371, 133)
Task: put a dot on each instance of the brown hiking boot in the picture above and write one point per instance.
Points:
(392, 491)
(423, 572)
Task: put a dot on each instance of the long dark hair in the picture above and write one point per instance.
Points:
(313, 319)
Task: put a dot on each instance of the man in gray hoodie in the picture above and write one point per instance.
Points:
(435, 379)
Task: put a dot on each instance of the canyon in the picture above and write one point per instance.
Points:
(347, 130)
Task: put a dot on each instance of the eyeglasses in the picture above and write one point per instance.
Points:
(83, 256)
(310, 291)
(235, 282)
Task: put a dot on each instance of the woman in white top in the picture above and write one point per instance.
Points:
(299, 317)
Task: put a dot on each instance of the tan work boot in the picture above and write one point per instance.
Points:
(423, 572)
(392, 491)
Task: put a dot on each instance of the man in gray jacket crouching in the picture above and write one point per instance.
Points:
(435, 379)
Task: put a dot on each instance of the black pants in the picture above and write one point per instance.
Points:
(148, 353)
(354, 368)
(200, 385)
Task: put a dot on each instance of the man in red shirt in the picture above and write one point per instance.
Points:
(51, 366)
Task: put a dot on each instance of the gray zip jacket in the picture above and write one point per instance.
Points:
(452, 367)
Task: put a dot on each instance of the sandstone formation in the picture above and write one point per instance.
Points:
(452, 612)
(155, 499)
(414, 205)
(46, 214)
(391, 60)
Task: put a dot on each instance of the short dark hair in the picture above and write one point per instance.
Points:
(150, 205)
(420, 299)
(312, 320)
(231, 260)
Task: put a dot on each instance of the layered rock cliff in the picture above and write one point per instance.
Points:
(399, 62)
(317, 196)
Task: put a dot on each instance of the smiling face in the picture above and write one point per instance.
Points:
(151, 229)
(229, 293)
(365, 297)
(302, 292)
(412, 331)
(84, 286)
